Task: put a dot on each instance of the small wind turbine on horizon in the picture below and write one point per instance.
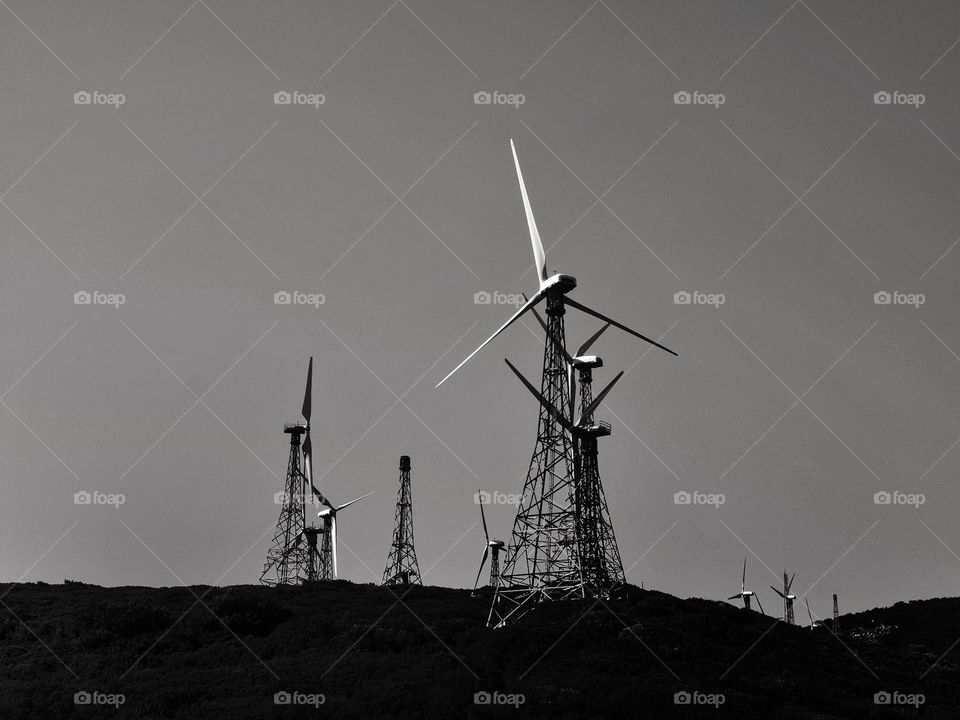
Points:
(745, 594)
(492, 548)
(787, 598)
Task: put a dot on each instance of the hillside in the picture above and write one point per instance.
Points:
(318, 640)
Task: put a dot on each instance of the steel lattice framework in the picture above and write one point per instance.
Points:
(543, 558)
(599, 555)
(402, 567)
(288, 560)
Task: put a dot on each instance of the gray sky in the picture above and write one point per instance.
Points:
(797, 199)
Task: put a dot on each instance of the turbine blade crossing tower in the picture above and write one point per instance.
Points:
(288, 558)
(402, 567)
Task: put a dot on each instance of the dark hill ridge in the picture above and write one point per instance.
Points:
(371, 656)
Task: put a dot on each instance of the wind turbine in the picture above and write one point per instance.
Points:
(787, 598)
(329, 516)
(554, 288)
(745, 594)
(496, 546)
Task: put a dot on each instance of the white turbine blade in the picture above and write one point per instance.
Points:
(588, 311)
(483, 562)
(588, 411)
(809, 615)
(333, 544)
(743, 580)
(486, 535)
(778, 592)
(572, 382)
(558, 416)
(348, 504)
(591, 340)
(539, 258)
(759, 604)
(734, 597)
(529, 304)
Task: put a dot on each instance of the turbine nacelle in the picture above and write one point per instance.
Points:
(587, 361)
(558, 284)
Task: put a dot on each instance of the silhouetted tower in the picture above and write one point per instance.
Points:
(402, 568)
(600, 560)
(288, 559)
(836, 614)
(542, 561)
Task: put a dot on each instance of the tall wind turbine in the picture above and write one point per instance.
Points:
(745, 594)
(491, 548)
(553, 288)
(787, 598)
(542, 560)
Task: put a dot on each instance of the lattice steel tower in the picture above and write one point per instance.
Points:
(600, 560)
(402, 567)
(542, 561)
(288, 560)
